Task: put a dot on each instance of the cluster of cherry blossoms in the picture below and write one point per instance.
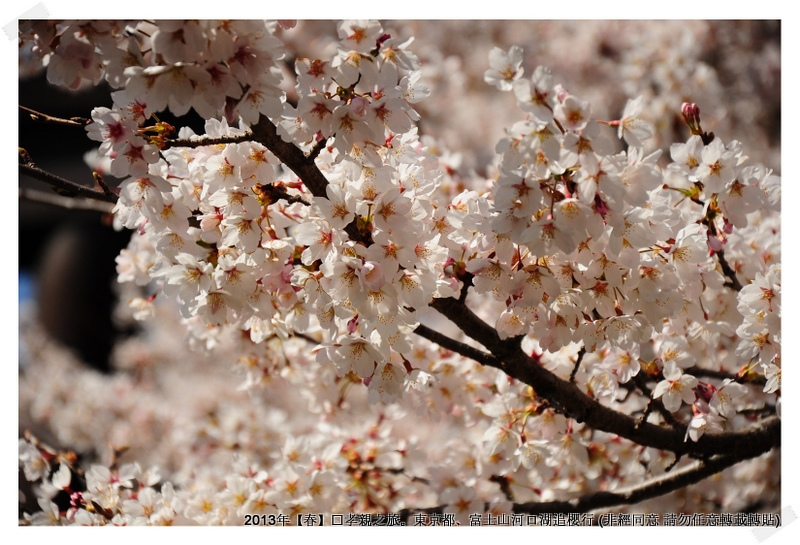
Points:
(235, 240)
(608, 250)
(310, 230)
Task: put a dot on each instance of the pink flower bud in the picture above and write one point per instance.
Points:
(352, 324)
(705, 390)
(690, 111)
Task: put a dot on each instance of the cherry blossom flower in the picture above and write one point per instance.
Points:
(360, 35)
(676, 388)
(723, 399)
(717, 167)
(773, 374)
(534, 95)
(631, 127)
(179, 41)
(625, 364)
(49, 514)
(462, 502)
(112, 128)
(573, 113)
(74, 62)
(704, 420)
(506, 67)
(686, 157)
(34, 465)
(387, 382)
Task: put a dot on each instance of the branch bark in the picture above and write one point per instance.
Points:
(208, 141)
(66, 187)
(752, 441)
(306, 169)
(69, 203)
(458, 347)
(658, 486)
(732, 281)
(44, 118)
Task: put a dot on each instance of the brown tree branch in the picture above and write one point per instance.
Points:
(306, 169)
(208, 141)
(65, 187)
(54, 199)
(732, 281)
(657, 486)
(44, 118)
(293, 157)
(458, 347)
(751, 441)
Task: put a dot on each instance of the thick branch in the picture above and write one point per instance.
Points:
(752, 441)
(306, 169)
(658, 486)
(293, 157)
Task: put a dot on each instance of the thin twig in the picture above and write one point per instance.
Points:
(54, 199)
(208, 141)
(402, 471)
(574, 372)
(723, 375)
(732, 281)
(102, 183)
(66, 187)
(44, 118)
(456, 346)
(277, 193)
(641, 383)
